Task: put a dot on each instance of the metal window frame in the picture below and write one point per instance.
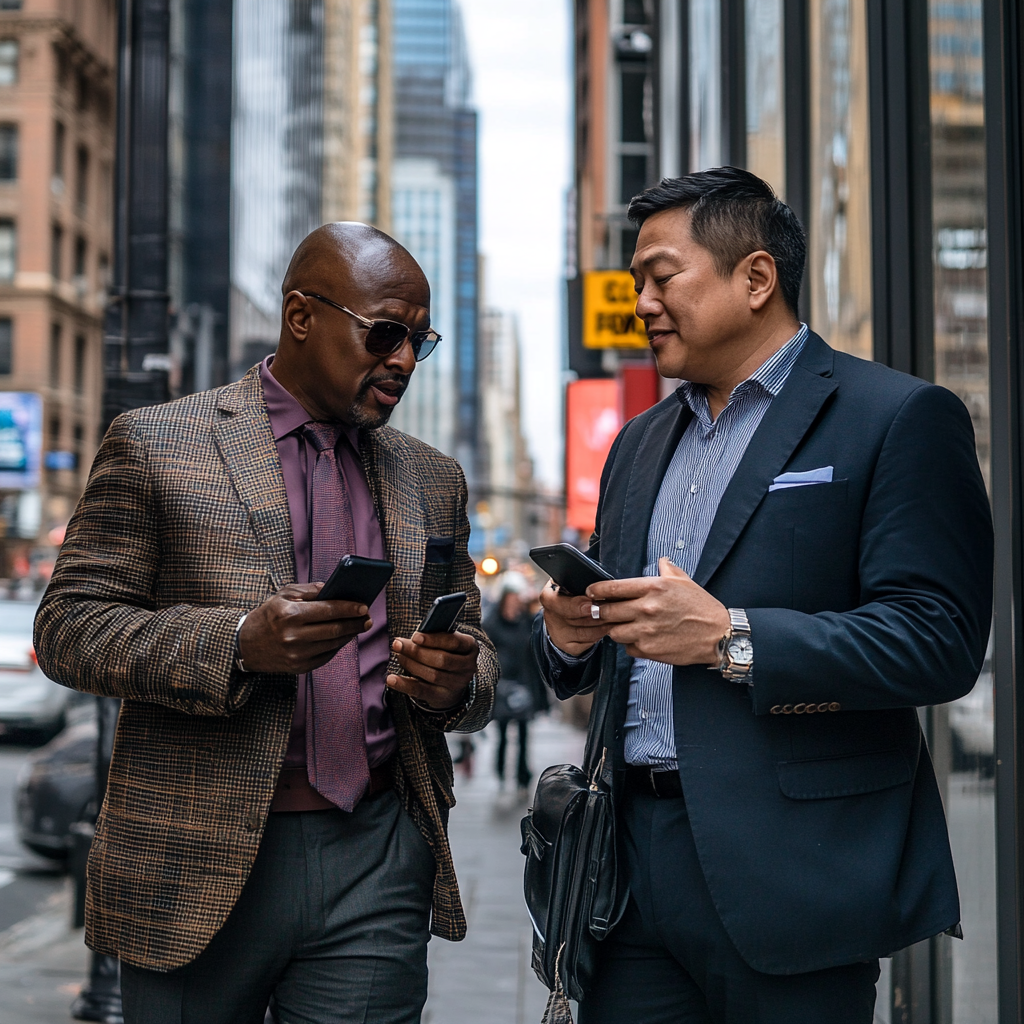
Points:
(899, 127)
(1003, 28)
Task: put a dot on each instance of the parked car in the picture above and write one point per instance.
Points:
(56, 783)
(29, 702)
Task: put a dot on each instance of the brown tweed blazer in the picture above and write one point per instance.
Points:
(184, 526)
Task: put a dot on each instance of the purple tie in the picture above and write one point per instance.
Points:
(335, 735)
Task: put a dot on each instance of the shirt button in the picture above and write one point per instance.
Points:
(680, 544)
(693, 488)
(643, 715)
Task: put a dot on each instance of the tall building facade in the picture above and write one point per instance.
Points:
(294, 130)
(434, 214)
(513, 514)
(57, 91)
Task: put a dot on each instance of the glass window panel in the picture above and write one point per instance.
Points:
(766, 142)
(8, 61)
(8, 250)
(633, 176)
(6, 345)
(633, 128)
(8, 152)
(963, 733)
(705, 85)
(840, 236)
(633, 12)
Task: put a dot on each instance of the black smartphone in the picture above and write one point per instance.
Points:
(357, 579)
(572, 570)
(443, 613)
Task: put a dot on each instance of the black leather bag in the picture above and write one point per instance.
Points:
(575, 892)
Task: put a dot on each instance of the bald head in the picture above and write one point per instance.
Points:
(349, 261)
(322, 356)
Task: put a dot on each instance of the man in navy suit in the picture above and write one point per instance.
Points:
(803, 550)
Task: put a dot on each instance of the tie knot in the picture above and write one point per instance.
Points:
(322, 436)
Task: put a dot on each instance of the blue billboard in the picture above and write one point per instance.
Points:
(21, 439)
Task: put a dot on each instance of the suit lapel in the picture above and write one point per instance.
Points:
(787, 420)
(658, 444)
(246, 444)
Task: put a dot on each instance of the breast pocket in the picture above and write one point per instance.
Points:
(823, 529)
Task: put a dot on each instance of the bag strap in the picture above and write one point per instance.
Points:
(595, 756)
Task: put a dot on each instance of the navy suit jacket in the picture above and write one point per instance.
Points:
(811, 794)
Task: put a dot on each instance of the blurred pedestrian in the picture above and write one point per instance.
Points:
(274, 828)
(520, 693)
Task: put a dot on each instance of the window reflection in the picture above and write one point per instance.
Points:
(765, 124)
(963, 732)
(705, 85)
(840, 235)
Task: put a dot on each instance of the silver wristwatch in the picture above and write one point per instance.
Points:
(735, 649)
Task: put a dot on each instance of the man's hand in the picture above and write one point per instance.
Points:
(439, 667)
(570, 621)
(664, 618)
(292, 632)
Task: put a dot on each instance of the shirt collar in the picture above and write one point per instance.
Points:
(287, 415)
(771, 375)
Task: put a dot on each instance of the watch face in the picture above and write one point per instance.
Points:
(741, 650)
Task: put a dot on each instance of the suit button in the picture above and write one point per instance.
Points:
(834, 706)
(823, 707)
(788, 709)
(252, 821)
(799, 709)
(777, 710)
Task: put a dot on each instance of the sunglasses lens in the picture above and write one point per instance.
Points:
(385, 336)
(423, 343)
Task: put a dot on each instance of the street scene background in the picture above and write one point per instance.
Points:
(144, 233)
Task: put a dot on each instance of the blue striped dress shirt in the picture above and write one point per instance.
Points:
(701, 468)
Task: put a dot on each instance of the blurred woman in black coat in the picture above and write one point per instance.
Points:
(521, 692)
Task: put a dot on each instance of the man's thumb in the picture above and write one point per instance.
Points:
(668, 568)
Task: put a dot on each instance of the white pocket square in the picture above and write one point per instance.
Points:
(802, 479)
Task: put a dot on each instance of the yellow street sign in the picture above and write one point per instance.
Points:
(609, 311)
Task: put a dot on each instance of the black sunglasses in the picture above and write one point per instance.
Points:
(386, 336)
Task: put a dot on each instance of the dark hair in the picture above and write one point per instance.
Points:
(732, 214)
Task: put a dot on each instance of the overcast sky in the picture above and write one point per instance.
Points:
(521, 86)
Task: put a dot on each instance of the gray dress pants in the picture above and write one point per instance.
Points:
(331, 928)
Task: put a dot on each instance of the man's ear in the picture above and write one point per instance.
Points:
(762, 279)
(296, 314)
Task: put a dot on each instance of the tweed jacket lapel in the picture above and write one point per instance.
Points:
(246, 444)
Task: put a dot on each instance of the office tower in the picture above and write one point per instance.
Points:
(434, 213)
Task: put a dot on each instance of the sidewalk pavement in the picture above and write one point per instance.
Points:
(486, 978)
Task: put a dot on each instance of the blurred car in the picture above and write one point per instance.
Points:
(972, 728)
(55, 785)
(29, 702)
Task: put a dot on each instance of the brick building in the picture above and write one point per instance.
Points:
(57, 60)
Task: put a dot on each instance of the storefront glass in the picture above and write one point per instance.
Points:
(766, 141)
(962, 733)
(840, 228)
(705, 85)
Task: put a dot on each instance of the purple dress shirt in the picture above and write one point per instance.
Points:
(298, 457)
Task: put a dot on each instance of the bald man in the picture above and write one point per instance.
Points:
(274, 829)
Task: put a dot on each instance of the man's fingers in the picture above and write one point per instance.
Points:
(326, 631)
(619, 590)
(458, 643)
(305, 611)
(439, 697)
